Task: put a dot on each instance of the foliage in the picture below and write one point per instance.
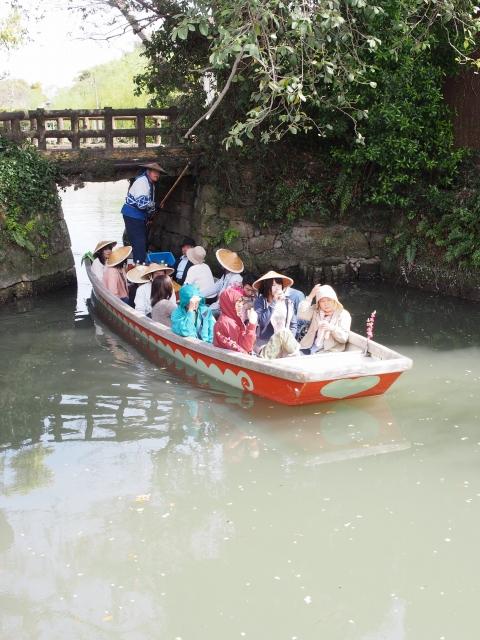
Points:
(18, 94)
(28, 197)
(12, 31)
(297, 66)
(105, 85)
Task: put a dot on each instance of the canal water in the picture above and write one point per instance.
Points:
(138, 504)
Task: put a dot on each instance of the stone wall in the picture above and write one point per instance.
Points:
(309, 251)
(22, 275)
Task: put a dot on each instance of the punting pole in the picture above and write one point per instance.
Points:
(173, 187)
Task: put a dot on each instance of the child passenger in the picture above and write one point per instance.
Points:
(330, 323)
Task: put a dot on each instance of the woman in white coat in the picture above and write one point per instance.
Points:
(330, 323)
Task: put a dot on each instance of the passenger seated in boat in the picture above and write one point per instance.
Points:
(182, 263)
(232, 269)
(114, 277)
(230, 331)
(271, 294)
(161, 300)
(144, 292)
(192, 318)
(200, 273)
(282, 343)
(135, 278)
(101, 253)
(330, 323)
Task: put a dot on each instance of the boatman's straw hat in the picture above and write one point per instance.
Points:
(230, 260)
(154, 166)
(156, 267)
(118, 256)
(271, 275)
(102, 244)
(135, 275)
(196, 255)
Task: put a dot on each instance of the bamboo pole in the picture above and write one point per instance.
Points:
(173, 187)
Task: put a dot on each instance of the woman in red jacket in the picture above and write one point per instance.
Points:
(230, 331)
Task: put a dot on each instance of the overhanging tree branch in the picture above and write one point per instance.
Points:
(220, 96)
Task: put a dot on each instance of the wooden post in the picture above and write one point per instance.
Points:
(75, 138)
(42, 141)
(158, 124)
(141, 137)
(108, 119)
(33, 128)
(59, 126)
(16, 129)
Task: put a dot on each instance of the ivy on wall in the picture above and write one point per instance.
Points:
(29, 200)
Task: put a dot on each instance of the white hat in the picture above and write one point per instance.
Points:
(326, 291)
(196, 255)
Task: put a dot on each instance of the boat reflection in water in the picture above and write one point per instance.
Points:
(177, 403)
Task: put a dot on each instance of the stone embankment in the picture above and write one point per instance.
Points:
(309, 251)
(22, 274)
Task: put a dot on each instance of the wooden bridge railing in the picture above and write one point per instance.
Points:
(92, 128)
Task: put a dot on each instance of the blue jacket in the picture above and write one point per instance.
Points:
(140, 200)
(265, 310)
(190, 324)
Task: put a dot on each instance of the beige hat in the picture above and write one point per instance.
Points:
(118, 256)
(196, 255)
(230, 260)
(135, 275)
(326, 291)
(157, 267)
(102, 244)
(287, 282)
(154, 166)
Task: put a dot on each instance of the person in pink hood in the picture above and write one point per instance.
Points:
(230, 331)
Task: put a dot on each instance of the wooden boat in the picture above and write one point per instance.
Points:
(294, 380)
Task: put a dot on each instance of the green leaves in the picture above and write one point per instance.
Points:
(28, 195)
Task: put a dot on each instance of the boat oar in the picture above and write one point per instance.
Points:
(173, 187)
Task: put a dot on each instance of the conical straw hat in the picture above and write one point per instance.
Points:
(158, 267)
(230, 260)
(135, 275)
(102, 244)
(287, 282)
(118, 256)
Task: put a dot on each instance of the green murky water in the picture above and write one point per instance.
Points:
(135, 503)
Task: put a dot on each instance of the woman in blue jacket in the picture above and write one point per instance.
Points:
(271, 294)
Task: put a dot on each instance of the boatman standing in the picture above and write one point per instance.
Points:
(139, 206)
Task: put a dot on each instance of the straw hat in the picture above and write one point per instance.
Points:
(102, 244)
(230, 260)
(326, 291)
(118, 256)
(287, 282)
(157, 267)
(135, 275)
(196, 255)
(154, 166)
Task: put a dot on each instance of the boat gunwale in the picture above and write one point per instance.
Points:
(394, 363)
